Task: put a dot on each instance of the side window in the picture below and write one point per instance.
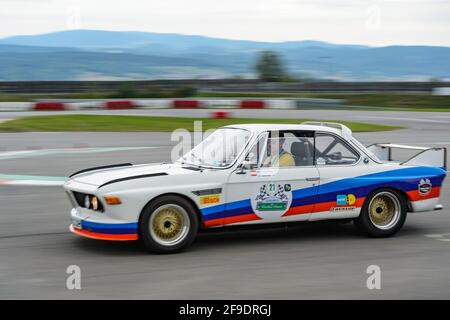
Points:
(331, 150)
(289, 149)
(255, 154)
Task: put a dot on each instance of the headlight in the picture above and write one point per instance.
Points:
(88, 201)
(94, 203)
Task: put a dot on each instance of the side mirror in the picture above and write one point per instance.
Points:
(248, 165)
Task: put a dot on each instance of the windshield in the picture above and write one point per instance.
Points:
(219, 149)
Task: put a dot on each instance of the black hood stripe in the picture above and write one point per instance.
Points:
(134, 177)
(100, 168)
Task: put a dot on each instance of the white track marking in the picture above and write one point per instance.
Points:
(31, 180)
(49, 152)
(444, 237)
(403, 119)
(437, 235)
(36, 183)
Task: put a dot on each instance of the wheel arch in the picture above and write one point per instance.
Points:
(398, 190)
(192, 202)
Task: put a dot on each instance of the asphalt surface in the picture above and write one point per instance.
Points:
(323, 261)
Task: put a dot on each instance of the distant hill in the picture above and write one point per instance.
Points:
(95, 39)
(88, 54)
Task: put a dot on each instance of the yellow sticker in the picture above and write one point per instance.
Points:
(210, 199)
(351, 199)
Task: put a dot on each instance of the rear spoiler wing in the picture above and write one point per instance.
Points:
(433, 157)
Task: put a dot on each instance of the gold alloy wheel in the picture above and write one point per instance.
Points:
(169, 224)
(384, 210)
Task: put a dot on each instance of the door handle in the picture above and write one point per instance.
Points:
(312, 179)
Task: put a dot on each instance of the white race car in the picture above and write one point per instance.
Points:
(257, 174)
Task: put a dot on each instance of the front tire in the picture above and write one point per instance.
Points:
(168, 224)
(382, 214)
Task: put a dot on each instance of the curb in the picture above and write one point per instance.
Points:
(120, 104)
(49, 106)
(211, 103)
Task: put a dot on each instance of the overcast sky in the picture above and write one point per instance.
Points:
(377, 22)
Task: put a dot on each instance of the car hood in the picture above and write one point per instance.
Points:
(100, 177)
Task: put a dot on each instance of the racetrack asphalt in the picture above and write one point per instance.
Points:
(309, 261)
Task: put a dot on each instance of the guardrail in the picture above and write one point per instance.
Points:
(220, 85)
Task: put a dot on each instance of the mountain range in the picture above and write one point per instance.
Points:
(110, 55)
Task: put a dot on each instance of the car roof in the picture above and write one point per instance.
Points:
(260, 127)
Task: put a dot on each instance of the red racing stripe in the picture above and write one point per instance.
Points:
(414, 195)
(213, 223)
(299, 210)
(230, 220)
(242, 218)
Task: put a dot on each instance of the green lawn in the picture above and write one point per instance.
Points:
(138, 123)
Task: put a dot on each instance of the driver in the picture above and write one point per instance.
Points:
(280, 157)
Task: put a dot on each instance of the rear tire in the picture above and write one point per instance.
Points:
(382, 214)
(168, 224)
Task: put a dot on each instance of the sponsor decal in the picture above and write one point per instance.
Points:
(341, 199)
(263, 172)
(345, 199)
(272, 200)
(351, 199)
(425, 187)
(205, 200)
(342, 209)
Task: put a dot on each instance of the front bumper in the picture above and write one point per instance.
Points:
(103, 236)
(106, 229)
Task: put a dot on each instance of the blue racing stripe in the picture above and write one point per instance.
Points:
(228, 206)
(414, 173)
(214, 209)
(405, 179)
(110, 228)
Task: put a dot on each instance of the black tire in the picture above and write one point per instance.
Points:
(148, 235)
(367, 222)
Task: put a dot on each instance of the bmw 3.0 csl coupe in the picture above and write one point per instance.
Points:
(257, 174)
